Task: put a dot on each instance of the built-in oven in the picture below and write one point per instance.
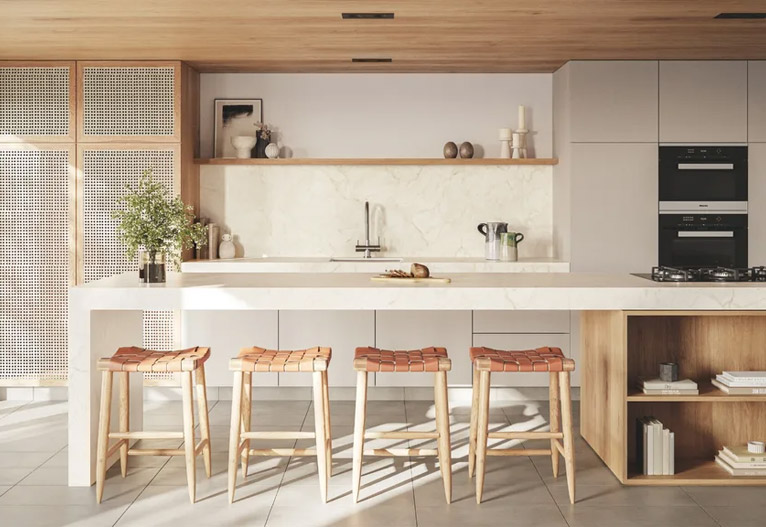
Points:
(703, 178)
(703, 240)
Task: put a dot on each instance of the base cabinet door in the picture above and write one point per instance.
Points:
(343, 331)
(225, 333)
(521, 341)
(422, 329)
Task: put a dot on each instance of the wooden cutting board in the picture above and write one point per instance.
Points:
(429, 280)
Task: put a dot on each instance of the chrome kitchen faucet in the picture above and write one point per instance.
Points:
(367, 248)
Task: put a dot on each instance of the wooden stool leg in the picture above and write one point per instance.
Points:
(124, 419)
(320, 433)
(482, 433)
(234, 428)
(359, 423)
(441, 402)
(472, 429)
(247, 402)
(188, 406)
(204, 422)
(555, 419)
(327, 423)
(104, 418)
(566, 417)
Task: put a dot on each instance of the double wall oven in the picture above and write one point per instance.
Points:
(703, 206)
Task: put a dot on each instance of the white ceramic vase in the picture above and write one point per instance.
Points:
(272, 151)
(243, 144)
(226, 248)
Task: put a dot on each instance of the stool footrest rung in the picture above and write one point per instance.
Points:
(518, 452)
(277, 435)
(526, 435)
(146, 434)
(401, 435)
(114, 448)
(396, 452)
(156, 452)
(559, 447)
(282, 452)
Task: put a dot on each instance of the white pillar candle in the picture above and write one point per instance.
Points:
(522, 118)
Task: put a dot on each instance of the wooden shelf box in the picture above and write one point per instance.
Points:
(621, 346)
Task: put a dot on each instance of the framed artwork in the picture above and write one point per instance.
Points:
(235, 117)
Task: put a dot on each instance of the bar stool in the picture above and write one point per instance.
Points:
(249, 360)
(367, 360)
(140, 360)
(552, 360)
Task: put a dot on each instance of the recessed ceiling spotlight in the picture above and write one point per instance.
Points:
(366, 16)
(741, 16)
(372, 59)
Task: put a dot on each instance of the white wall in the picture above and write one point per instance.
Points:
(386, 115)
(416, 210)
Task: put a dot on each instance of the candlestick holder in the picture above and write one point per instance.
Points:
(522, 142)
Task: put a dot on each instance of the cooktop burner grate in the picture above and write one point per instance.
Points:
(708, 274)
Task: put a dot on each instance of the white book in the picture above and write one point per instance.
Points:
(672, 454)
(659, 384)
(649, 456)
(745, 377)
(648, 391)
(657, 439)
(645, 446)
(734, 463)
(665, 452)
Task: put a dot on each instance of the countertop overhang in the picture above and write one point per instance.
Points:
(339, 291)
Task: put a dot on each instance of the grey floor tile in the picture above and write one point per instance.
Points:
(4, 489)
(752, 516)
(636, 516)
(11, 476)
(728, 496)
(486, 515)
(608, 495)
(59, 516)
(170, 506)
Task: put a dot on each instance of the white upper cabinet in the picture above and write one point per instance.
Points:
(756, 107)
(613, 101)
(703, 101)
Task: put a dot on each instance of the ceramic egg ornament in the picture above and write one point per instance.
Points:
(272, 151)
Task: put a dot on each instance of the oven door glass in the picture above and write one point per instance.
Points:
(698, 251)
(701, 184)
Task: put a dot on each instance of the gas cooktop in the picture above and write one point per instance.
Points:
(706, 274)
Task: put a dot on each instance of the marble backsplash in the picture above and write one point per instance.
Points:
(416, 210)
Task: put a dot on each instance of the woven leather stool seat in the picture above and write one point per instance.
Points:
(264, 360)
(134, 359)
(540, 359)
(377, 360)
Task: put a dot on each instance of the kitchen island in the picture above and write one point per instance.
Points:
(626, 318)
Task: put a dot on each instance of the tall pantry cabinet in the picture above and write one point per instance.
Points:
(73, 136)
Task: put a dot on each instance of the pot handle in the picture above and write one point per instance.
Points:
(485, 230)
(519, 238)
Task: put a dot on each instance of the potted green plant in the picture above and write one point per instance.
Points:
(153, 221)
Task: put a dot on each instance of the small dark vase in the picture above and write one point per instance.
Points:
(259, 150)
(154, 268)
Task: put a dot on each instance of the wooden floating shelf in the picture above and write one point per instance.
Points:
(708, 394)
(694, 472)
(375, 161)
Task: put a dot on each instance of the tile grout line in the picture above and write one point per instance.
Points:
(215, 403)
(549, 491)
(700, 506)
(34, 470)
(15, 410)
(289, 459)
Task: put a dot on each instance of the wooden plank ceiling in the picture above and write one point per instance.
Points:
(425, 35)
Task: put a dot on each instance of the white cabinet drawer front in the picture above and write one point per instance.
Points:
(343, 331)
(522, 342)
(225, 333)
(521, 321)
(421, 329)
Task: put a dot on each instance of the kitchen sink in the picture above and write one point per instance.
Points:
(363, 259)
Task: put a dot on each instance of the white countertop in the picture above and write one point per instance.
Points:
(323, 264)
(544, 291)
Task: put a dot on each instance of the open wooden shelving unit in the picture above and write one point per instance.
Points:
(621, 346)
(374, 161)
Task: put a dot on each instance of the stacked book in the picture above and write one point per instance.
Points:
(660, 387)
(739, 462)
(655, 447)
(741, 382)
